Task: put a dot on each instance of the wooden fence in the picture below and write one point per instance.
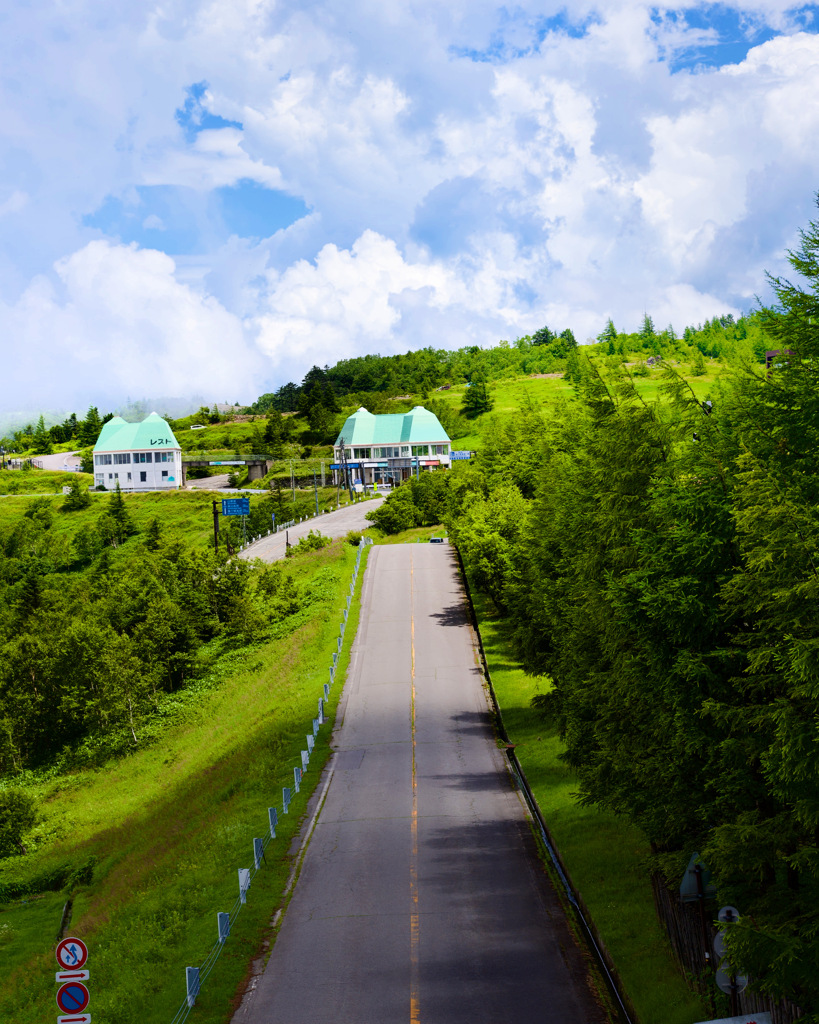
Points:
(691, 933)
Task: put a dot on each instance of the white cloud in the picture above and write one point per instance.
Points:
(560, 179)
(121, 324)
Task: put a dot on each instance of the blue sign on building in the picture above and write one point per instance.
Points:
(235, 506)
(454, 456)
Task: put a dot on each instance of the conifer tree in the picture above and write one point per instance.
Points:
(42, 439)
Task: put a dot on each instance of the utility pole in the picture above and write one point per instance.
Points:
(315, 490)
(345, 468)
(292, 482)
(216, 525)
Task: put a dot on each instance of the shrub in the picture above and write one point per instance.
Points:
(397, 513)
(314, 541)
(77, 498)
(17, 816)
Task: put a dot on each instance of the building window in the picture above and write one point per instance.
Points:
(440, 449)
(129, 476)
(102, 460)
(143, 457)
(122, 459)
(420, 449)
(100, 478)
(110, 476)
(405, 449)
(361, 453)
(143, 477)
(164, 474)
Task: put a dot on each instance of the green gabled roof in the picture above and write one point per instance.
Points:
(419, 426)
(152, 433)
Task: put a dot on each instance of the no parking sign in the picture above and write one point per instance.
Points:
(72, 997)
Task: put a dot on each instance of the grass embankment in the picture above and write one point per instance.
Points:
(604, 854)
(172, 823)
(185, 515)
(510, 396)
(39, 481)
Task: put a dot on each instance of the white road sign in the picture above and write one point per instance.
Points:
(63, 976)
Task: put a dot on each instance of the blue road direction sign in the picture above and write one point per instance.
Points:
(72, 997)
(235, 506)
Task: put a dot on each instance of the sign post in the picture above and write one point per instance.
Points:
(72, 995)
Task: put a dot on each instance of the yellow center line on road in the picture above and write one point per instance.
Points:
(414, 923)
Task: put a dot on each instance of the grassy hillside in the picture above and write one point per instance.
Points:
(513, 395)
(170, 825)
(39, 481)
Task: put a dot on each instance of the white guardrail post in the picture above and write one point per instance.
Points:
(195, 976)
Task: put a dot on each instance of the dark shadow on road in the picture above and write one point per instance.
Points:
(514, 958)
(476, 782)
(472, 722)
(453, 615)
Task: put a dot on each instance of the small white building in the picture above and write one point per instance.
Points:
(138, 456)
(391, 448)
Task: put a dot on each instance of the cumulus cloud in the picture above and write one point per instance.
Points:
(464, 172)
(118, 323)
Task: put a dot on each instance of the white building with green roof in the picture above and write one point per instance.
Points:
(138, 456)
(392, 447)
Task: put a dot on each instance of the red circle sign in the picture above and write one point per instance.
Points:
(72, 953)
(72, 997)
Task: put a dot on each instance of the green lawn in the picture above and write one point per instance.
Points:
(605, 856)
(39, 481)
(172, 823)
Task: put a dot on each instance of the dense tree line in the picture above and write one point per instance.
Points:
(660, 563)
(41, 439)
(99, 620)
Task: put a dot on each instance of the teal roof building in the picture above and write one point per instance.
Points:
(419, 426)
(138, 456)
(390, 448)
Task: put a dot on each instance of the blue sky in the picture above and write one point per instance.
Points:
(211, 198)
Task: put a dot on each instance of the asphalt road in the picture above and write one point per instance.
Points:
(421, 899)
(60, 461)
(333, 524)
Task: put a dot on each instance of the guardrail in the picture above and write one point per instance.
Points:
(195, 977)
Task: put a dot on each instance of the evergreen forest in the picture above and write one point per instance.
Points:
(656, 564)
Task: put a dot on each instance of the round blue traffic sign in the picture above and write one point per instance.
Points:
(72, 997)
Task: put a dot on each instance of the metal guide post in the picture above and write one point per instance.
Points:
(244, 883)
(192, 984)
